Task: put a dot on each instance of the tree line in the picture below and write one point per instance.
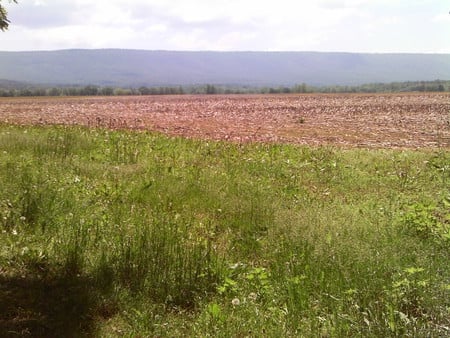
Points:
(16, 90)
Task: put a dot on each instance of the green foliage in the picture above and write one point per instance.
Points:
(11, 89)
(429, 220)
(112, 233)
(406, 299)
(4, 22)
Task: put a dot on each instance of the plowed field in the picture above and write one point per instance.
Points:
(349, 120)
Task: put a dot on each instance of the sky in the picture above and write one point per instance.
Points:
(376, 26)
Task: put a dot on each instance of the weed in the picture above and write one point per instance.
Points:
(429, 220)
(145, 235)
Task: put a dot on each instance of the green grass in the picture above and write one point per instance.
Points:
(107, 233)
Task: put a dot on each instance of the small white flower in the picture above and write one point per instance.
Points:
(22, 218)
(236, 302)
(252, 296)
(14, 232)
(77, 179)
(235, 266)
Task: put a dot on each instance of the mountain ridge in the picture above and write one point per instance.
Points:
(135, 67)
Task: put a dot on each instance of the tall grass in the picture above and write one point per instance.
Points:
(174, 237)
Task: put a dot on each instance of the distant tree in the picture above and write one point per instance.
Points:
(210, 89)
(122, 91)
(39, 92)
(107, 91)
(71, 91)
(4, 22)
(25, 92)
(54, 92)
(300, 88)
(144, 90)
(90, 90)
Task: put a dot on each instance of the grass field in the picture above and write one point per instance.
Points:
(120, 233)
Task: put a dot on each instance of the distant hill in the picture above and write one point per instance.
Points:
(9, 84)
(116, 67)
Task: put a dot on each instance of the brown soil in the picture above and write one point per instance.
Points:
(417, 120)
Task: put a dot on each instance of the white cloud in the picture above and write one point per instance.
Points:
(442, 18)
(326, 25)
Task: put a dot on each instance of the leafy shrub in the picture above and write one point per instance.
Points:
(428, 220)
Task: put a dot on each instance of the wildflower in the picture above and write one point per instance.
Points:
(77, 179)
(22, 218)
(252, 296)
(236, 302)
(14, 232)
(235, 266)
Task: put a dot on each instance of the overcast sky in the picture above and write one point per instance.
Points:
(229, 25)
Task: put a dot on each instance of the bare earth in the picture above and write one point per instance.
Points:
(417, 120)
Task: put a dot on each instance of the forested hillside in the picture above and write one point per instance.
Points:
(136, 68)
